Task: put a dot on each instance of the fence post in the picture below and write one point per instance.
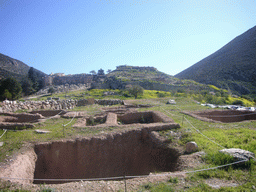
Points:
(125, 189)
(182, 120)
(63, 130)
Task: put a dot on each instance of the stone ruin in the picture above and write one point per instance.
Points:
(138, 150)
(17, 121)
(67, 104)
(63, 88)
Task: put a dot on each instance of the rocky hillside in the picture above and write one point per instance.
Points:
(10, 67)
(147, 77)
(231, 67)
(135, 73)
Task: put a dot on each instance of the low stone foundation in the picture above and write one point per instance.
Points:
(18, 120)
(112, 119)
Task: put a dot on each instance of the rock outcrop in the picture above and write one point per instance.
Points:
(239, 154)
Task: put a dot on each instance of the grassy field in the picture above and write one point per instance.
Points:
(229, 135)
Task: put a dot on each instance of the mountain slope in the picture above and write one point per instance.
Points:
(10, 67)
(231, 67)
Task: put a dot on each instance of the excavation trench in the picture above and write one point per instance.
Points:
(224, 116)
(129, 153)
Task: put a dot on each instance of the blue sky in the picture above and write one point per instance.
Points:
(77, 36)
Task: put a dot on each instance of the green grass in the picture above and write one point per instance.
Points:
(214, 87)
(229, 135)
(90, 109)
(161, 187)
(98, 94)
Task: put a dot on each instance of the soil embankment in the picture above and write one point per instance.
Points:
(128, 153)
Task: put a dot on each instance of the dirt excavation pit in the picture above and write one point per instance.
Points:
(26, 120)
(131, 153)
(19, 120)
(93, 121)
(224, 116)
(139, 117)
(19, 117)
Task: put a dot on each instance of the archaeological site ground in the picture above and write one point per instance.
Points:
(131, 145)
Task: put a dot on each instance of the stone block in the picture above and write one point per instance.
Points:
(191, 147)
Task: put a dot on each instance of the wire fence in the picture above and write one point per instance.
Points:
(5, 130)
(203, 134)
(71, 120)
(198, 130)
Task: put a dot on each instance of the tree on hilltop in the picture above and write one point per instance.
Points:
(136, 90)
(101, 72)
(93, 72)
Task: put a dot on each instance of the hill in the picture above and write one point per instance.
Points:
(10, 67)
(149, 78)
(232, 67)
(136, 73)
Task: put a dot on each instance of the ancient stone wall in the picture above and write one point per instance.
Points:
(55, 104)
(67, 79)
(23, 117)
(17, 121)
(64, 88)
(73, 79)
(36, 105)
(126, 67)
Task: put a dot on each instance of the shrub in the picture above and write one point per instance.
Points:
(51, 90)
(160, 94)
(238, 102)
(174, 180)
(136, 90)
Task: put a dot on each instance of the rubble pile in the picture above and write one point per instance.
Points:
(67, 104)
(12, 106)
